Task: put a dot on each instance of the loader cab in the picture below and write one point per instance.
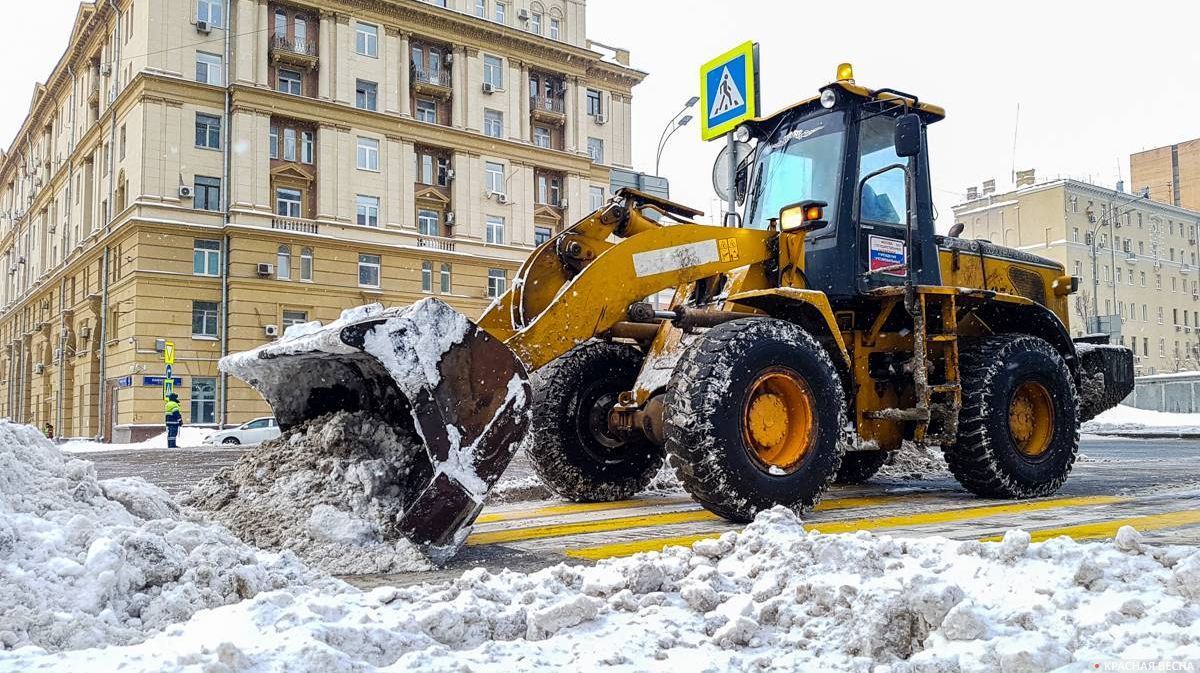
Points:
(862, 153)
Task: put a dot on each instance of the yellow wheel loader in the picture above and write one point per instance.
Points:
(800, 347)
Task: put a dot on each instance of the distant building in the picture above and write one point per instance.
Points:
(212, 171)
(1171, 173)
(1146, 283)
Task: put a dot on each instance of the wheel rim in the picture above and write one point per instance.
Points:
(1031, 419)
(778, 421)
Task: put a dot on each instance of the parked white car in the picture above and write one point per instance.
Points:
(250, 432)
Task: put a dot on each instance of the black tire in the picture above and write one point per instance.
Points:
(231, 441)
(705, 411)
(859, 466)
(986, 459)
(571, 451)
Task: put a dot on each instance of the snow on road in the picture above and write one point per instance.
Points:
(774, 597)
(1130, 419)
(188, 436)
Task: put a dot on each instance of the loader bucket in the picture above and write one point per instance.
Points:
(434, 375)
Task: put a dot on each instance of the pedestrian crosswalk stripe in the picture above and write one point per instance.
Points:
(1099, 530)
(638, 521)
(901, 521)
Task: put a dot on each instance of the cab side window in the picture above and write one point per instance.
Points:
(883, 196)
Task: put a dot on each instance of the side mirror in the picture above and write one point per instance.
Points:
(908, 135)
(956, 230)
(720, 173)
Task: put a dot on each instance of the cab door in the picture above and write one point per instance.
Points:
(881, 203)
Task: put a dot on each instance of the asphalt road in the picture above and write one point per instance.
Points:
(1153, 484)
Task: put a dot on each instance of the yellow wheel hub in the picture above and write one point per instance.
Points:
(1031, 419)
(778, 424)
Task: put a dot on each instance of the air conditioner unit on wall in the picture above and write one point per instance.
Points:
(601, 118)
(39, 368)
(106, 69)
(271, 330)
(203, 27)
(185, 192)
(488, 88)
(265, 269)
(450, 217)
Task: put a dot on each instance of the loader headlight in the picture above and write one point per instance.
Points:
(803, 216)
(742, 134)
(828, 98)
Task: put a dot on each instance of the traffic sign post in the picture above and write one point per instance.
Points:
(729, 91)
(168, 360)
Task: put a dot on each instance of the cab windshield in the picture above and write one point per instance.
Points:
(800, 161)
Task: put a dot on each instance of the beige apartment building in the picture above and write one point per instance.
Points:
(1144, 280)
(1171, 173)
(208, 172)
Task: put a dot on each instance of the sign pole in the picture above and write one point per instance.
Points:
(731, 212)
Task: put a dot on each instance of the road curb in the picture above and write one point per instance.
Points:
(1145, 434)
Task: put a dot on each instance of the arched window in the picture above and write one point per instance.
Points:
(446, 286)
(283, 263)
(306, 264)
(427, 276)
(301, 28)
(281, 31)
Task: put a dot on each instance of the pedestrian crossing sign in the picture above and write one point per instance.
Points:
(729, 90)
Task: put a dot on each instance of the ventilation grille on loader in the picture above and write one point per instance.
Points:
(1028, 284)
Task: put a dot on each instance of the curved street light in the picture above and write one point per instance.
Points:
(672, 126)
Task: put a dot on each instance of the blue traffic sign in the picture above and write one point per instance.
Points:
(728, 90)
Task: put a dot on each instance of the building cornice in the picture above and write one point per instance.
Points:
(1129, 201)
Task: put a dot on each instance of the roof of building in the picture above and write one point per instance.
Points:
(999, 199)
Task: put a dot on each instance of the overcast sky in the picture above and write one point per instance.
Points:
(1095, 80)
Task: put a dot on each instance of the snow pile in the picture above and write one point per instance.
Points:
(189, 436)
(773, 597)
(1130, 420)
(915, 462)
(85, 562)
(331, 490)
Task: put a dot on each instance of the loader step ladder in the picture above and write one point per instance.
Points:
(934, 350)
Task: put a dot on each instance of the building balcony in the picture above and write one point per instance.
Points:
(295, 224)
(548, 109)
(436, 243)
(433, 82)
(295, 51)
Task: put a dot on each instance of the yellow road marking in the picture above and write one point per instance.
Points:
(575, 508)
(943, 516)
(1106, 529)
(640, 521)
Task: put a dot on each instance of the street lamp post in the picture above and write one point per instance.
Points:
(1106, 220)
(672, 126)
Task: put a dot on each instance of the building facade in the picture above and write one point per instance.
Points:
(1143, 283)
(208, 172)
(1171, 173)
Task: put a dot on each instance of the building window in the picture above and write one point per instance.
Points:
(307, 147)
(274, 151)
(493, 177)
(426, 111)
(596, 150)
(595, 197)
(366, 40)
(497, 282)
(306, 264)
(368, 270)
(427, 222)
(368, 154)
(208, 69)
(430, 161)
(289, 144)
(206, 257)
(283, 263)
(548, 190)
(493, 71)
(366, 95)
(287, 202)
(208, 131)
(500, 13)
(555, 27)
(535, 23)
(1078, 268)
(294, 318)
(493, 123)
(593, 102)
(209, 11)
(206, 195)
(481, 8)
(542, 234)
(541, 136)
(204, 319)
(446, 285)
(289, 82)
(204, 400)
(495, 229)
(427, 276)
(368, 211)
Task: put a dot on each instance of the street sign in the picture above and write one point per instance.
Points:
(728, 90)
(169, 353)
(125, 382)
(155, 381)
